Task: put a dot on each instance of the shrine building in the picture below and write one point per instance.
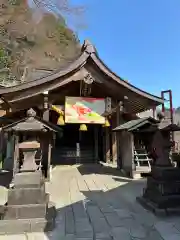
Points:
(87, 101)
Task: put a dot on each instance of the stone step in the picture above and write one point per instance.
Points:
(25, 211)
(28, 180)
(26, 196)
(21, 226)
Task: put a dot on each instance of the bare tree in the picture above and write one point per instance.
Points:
(25, 44)
(59, 6)
(63, 7)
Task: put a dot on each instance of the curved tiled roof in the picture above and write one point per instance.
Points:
(88, 52)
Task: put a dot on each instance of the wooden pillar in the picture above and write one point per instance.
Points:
(118, 122)
(16, 155)
(49, 159)
(45, 155)
(107, 145)
(114, 139)
(96, 143)
(8, 162)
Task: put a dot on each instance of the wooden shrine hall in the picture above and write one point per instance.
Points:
(87, 100)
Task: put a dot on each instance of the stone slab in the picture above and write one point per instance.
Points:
(167, 230)
(14, 226)
(100, 225)
(121, 233)
(41, 225)
(25, 211)
(28, 179)
(154, 208)
(37, 236)
(113, 219)
(20, 226)
(26, 196)
(69, 221)
(12, 237)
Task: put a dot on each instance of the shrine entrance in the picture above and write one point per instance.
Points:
(75, 146)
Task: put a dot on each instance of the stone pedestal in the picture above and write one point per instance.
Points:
(27, 209)
(29, 150)
(163, 190)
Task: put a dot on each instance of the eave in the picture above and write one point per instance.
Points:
(140, 99)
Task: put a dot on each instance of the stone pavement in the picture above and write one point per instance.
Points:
(96, 203)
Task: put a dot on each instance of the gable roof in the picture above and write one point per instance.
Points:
(65, 75)
(135, 124)
(36, 124)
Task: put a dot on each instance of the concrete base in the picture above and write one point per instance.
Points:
(20, 226)
(149, 205)
(28, 180)
(27, 208)
(162, 192)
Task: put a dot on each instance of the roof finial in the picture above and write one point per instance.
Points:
(88, 47)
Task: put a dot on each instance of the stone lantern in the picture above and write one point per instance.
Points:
(28, 208)
(162, 192)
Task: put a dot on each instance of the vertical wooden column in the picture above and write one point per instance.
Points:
(1, 145)
(107, 145)
(96, 143)
(49, 157)
(8, 162)
(45, 141)
(45, 154)
(16, 155)
(114, 139)
(118, 122)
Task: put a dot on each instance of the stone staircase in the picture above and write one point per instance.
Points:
(68, 155)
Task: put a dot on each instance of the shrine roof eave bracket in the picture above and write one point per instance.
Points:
(88, 52)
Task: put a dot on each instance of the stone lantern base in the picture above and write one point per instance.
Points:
(27, 209)
(162, 193)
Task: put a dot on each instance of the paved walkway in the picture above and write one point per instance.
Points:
(97, 203)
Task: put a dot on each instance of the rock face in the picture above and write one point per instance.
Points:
(32, 39)
(27, 208)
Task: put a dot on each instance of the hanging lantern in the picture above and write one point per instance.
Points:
(83, 127)
(60, 121)
(107, 124)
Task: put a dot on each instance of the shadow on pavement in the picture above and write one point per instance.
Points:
(105, 215)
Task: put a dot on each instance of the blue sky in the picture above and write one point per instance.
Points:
(138, 39)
